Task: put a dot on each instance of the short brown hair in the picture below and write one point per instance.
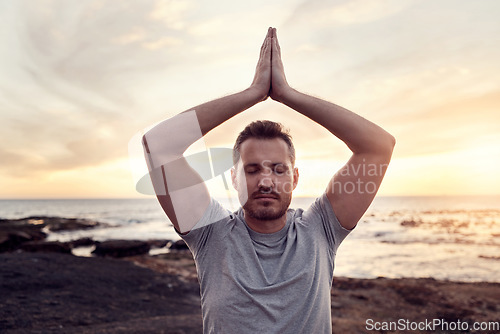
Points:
(263, 130)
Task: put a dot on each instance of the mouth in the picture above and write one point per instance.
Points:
(266, 197)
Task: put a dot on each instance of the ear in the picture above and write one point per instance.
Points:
(233, 178)
(295, 177)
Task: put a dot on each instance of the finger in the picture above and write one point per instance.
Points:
(267, 41)
(268, 35)
(265, 53)
(276, 52)
(275, 38)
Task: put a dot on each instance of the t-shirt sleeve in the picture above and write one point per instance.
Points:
(198, 238)
(321, 211)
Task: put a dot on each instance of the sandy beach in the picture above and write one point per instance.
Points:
(62, 293)
(47, 289)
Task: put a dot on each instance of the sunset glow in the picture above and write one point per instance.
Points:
(80, 79)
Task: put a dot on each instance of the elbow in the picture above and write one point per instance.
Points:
(391, 141)
(389, 144)
(145, 144)
(380, 145)
(385, 146)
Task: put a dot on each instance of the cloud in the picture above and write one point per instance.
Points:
(172, 13)
(348, 12)
(79, 78)
(69, 99)
(75, 68)
(94, 46)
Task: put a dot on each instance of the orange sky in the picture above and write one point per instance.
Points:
(80, 79)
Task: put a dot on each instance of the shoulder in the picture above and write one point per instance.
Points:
(320, 209)
(214, 217)
(321, 216)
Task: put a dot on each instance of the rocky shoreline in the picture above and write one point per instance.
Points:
(47, 290)
(29, 234)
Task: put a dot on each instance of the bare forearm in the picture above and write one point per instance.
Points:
(216, 112)
(359, 134)
(169, 139)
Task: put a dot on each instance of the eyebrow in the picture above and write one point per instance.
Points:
(274, 164)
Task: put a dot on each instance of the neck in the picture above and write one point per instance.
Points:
(265, 226)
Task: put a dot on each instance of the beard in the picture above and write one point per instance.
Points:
(268, 211)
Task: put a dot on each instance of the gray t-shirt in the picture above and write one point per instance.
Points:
(266, 283)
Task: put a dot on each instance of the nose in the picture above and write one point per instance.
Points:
(265, 184)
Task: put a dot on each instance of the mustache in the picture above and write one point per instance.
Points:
(267, 192)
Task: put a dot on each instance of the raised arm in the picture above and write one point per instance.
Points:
(179, 188)
(353, 187)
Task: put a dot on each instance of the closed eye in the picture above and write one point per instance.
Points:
(280, 169)
(252, 170)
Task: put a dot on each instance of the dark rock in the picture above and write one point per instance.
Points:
(81, 242)
(46, 246)
(15, 232)
(489, 257)
(68, 224)
(121, 248)
(52, 223)
(178, 245)
(11, 239)
(410, 223)
(155, 243)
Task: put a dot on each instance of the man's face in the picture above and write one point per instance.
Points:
(265, 178)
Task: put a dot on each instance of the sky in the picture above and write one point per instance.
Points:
(80, 79)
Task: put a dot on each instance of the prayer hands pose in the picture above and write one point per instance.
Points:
(269, 79)
(349, 193)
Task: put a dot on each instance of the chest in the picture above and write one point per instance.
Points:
(298, 257)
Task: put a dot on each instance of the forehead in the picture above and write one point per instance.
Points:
(259, 150)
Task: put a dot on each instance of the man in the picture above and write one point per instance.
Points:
(264, 268)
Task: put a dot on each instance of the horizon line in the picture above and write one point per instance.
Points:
(294, 197)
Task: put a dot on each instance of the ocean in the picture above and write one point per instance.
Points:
(444, 237)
